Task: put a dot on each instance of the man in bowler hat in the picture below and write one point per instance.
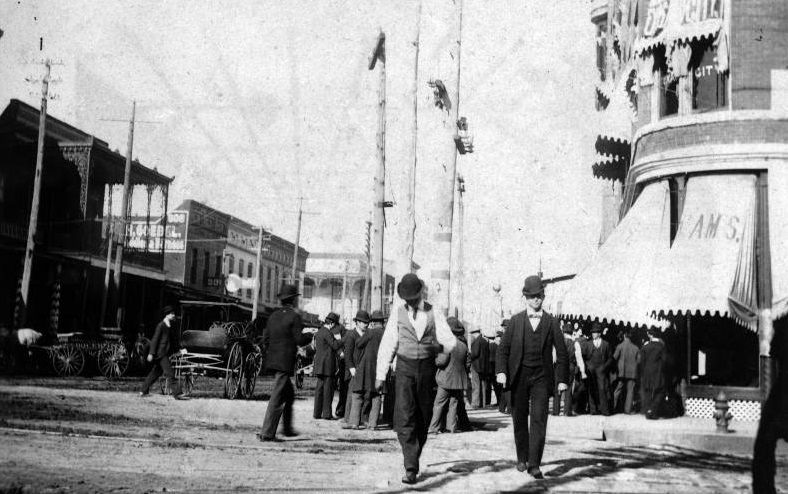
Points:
(525, 364)
(415, 334)
(352, 359)
(282, 336)
(327, 346)
(164, 340)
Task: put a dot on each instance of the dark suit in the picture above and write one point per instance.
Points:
(626, 355)
(351, 354)
(652, 375)
(480, 372)
(281, 337)
(597, 369)
(343, 373)
(325, 368)
(531, 385)
(160, 348)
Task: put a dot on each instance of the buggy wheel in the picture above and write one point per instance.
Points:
(252, 366)
(68, 360)
(234, 372)
(113, 361)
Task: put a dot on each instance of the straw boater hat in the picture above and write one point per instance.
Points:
(410, 287)
(533, 286)
(362, 316)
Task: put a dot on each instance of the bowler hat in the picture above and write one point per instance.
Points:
(533, 286)
(596, 328)
(568, 328)
(455, 325)
(377, 316)
(287, 291)
(332, 317)
(505, 323)
(362, 316)
(167, 309)
(410, 287)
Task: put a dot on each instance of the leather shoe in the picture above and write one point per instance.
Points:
(409, 478)
(521, 467)
(290, 433)
(267, 439)
(329, 418)
(535, 473)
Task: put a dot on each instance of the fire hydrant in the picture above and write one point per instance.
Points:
(722, 412)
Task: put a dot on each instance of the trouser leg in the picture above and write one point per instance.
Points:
(356, 405)
(441, 399)
(328, 397)
(568, 395)
(153, 375)
(374, 410)
(476, 397)
(538, 425)
(276, 405)
(521, 398)
(342, 402)
(763, 460)
(630, 390)
(166, 368)
(455, 395)
(405, 417)
(317, 410)
(486, 390)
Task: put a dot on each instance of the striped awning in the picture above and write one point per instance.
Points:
(710, 268)
(615, 285)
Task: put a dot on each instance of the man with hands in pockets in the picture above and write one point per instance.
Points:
(524, 364)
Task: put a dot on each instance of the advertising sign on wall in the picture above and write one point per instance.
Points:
(149, 236)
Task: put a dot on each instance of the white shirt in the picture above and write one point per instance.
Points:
(390, 341)
(534, 317)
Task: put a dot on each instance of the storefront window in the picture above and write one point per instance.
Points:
(722, 353)
(710, 88)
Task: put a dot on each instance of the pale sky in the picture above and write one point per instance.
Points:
(257, 102)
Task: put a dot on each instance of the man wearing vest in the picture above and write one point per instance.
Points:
(525, 364)
(415, 334)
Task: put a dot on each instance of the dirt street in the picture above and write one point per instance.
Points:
(89, 436)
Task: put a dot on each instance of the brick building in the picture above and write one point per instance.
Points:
(693, 99)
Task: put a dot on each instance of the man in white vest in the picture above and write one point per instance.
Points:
(415, 334)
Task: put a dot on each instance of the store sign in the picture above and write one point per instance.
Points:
(149, 236)
(695, 11)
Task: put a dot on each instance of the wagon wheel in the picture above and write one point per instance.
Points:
(113, 361)
(299, 374)
(252, 366)
(187, 383)
(68, 360)
(234, 373)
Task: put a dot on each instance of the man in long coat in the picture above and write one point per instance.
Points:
(364, 381)
(451, 379)
(651, 360)
(598, 368)
(282, 336)
(415, 334)
(327, 345)
(353, 356)
(164, 341)
(480, 372)
(525, 364)
(342, 373)
(626, 356)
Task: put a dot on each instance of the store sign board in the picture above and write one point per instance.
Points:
(149, 236)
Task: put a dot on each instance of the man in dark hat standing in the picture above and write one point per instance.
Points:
(505, 400)
(598, 366)
(282, 336)
(480, 359)
(525, 364)
(327, 345)
(164, 340)
(415, 334)
(352, 358)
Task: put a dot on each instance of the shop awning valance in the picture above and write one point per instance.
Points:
(616, 120)
(710, 268)
(669, 21)
(615, 285)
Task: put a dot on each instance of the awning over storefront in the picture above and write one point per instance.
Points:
(669, 21)
(615, 285)
(710, 268)
(616, 120)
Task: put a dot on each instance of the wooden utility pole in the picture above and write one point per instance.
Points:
(379, 202)
(410, 230)
(298, 239)
(368, 252)
(27, 269)
(107, 271)
(123, 218)
(459, 274)
(440, 272)
(257, 272)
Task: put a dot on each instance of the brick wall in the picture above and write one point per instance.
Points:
(759, 43)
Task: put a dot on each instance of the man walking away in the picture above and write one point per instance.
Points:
(452, 379)
(598, 367)
(282, 336)
(651, 360)
(774, 418)
(626, 355)
(353, 356)
(525, 364)
(415, 334)
(327, 344)
(480, 357)
(159, 355)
